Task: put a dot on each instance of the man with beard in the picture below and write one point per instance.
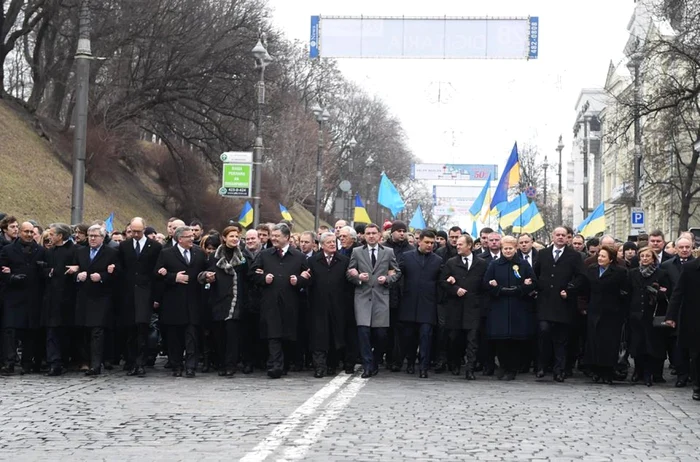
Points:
(22, 264)
(399, 244)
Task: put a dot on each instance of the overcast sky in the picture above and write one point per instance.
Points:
(487, 104)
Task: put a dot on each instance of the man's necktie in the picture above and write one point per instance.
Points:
(374, 258)
(280, 253)
(557, 253)
(137, 249)
(187, 257)
(464, 260)
(329, 259)
(683, 260)
(93, 252)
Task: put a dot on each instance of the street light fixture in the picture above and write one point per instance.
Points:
(634, 65)
(262, 59)
(560, 148)
(350, 169)
(322, 115)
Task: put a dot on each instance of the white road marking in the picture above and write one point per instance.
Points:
(298, 449)
(281, 431)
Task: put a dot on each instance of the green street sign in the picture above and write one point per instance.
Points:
(237, 180)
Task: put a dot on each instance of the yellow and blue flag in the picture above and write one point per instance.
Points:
(513, 210)
(484, 198)
(389, 196)
(475, 233)
(529, 221)
(246, 216)
(594, 223)
(360, 215)
(510, 178)
(285, 213)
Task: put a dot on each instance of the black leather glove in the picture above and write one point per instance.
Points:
(652, 290)
(508, 290)
(17, 278)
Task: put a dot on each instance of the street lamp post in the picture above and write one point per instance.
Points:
(262, 59)
(560, 148)
(349, 208)
(545, 166)
(322, 115)
(635, 61)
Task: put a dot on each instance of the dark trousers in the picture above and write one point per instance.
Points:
(458, 340)
(576, 343)
(682, 362)
(485, 353)
(695, 369)
(137, 344)
(55, 346)
(352, 352)
(368, 337)
(253, 348)
(182, 338)
(441, 341)
(509, 354)
(325, 359)
(395, 350)
(553, 336)
(648, 365)
(275, 360)
(97, 346)
(30, 344)
(417, 335)
(226, 336)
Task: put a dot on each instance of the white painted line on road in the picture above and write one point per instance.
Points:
(311, 434)
(281, 431)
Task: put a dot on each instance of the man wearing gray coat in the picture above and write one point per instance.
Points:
(372, 269)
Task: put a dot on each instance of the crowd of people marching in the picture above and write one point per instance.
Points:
(78, 297)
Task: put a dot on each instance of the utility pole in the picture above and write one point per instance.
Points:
(635, 64)
(262, 59)
(560, 148)
(83, 56)
(586, 180)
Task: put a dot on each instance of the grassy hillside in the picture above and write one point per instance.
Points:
(35, 184)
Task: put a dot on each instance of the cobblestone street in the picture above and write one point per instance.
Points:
(393, 416)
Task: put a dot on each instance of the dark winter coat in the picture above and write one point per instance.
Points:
(510, 313)
(22, 299)
(221, 291)
(463, 312)
(58, 309)
(566, 274)
(684, 306)
(95, 300)
(137, 281)
(181, 304)
(419, 300)
(643, 306)
(607, 311)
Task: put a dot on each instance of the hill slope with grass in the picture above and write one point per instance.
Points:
(35, 183)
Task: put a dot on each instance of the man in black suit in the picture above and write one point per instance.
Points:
(491, 253)
(559, 273)
(278, 271)
(684, 312)
(138, 256)
(462, 281)
(484, 240)
(179, 268)
(657, 243)
(97, 270)
(525, 250)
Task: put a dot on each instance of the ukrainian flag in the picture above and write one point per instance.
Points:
(594, 223)
(530, 220)
(513, 210)
(510, 178)
(483, 199)
(246, 217)
(285, 213)
(361, 215)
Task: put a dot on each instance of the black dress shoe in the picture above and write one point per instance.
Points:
(177, 373)
(274, 373)
(608, 381)
(7, 370)
(559, 378)
(230, 373)
(423, 374)
(132, 373)
(410, 369)
(440, 367)
(500, 373)
(222, 373)
(635, 377)
(395, 368)
(509, 376)
(108, 366)
(375, 371)
(456, 370)
(539, 374)
(318, 374)
(488, 371)
(470, 375)
(247, 369)
(696, 395)
(350, 370)
(167, 365)
(55, 372)
(659, 379)
(92, 372)
(189, 373)
(140, 371)
(366, 374)
(680, 383)
(331, 371)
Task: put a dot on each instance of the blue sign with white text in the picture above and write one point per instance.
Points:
(534, 37)
(313, 39)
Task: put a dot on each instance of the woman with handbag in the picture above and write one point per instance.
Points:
(607, 310)
(648, 285)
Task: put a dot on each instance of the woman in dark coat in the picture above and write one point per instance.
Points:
(647, 286)
(607, 310)
(227, 296)
(510, 320)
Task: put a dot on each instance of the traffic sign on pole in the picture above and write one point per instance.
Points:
(637, 218)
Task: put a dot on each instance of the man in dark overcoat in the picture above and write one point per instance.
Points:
(22, 264)
(278, 271)
(461, 280)
(138, 256)
(330, 300)
(182, 302)
(559, 275)
(94, 310)
(418, 310)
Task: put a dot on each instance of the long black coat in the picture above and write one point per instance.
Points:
(181, 303)
(607, 310)
(22, 299)
(396, 289)
(58, 309)
(221, 290)
(552, 278)
(510, 313)
(281, 301)
(138, 281)
(644, 338)
(684, 306)
(251, 309)
(95, 300)
(463, 312)
(331, 298)
(421, 273)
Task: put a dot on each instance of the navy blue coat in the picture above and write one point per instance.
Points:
(421, 273)
(510, 314)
